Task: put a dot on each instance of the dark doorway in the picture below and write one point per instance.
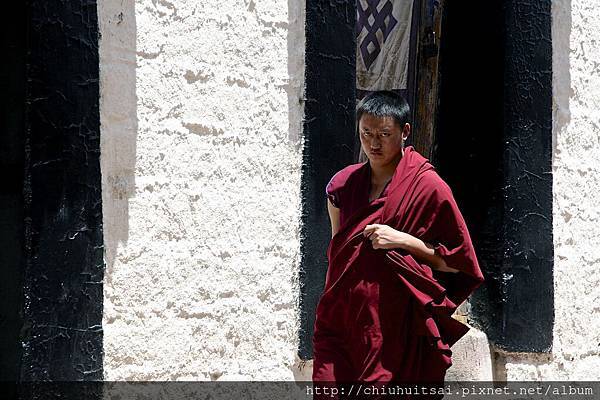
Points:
(12, 103)
(493, 147)
(468, 150)
(490, 138)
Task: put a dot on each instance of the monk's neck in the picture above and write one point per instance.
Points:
(381, 174)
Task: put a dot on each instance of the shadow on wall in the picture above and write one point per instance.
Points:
(295, 95)
(295, 87)
(118, 121)
(561, 69)
(295, 99)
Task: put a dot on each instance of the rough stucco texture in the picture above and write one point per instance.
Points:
(576, 167)
(201, 159)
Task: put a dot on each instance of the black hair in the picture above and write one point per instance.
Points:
(384, 103)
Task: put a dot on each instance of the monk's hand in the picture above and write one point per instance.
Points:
(385, 237)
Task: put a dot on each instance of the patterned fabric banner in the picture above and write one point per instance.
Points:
(383, 29)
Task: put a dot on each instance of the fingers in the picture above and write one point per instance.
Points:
(378, 244)
(369, 229)
(377, 240)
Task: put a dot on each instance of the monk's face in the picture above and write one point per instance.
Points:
(382, 139)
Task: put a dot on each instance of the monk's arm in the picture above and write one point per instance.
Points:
(334, 217)
(425, 253)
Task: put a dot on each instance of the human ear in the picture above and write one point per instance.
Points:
(406, 131)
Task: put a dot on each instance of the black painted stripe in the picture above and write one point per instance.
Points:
(529, 252)
(12, 159)
(330, 141)
(62, 336)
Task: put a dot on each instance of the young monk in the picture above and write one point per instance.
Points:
(400, 261)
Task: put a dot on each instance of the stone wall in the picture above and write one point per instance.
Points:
(201, 159)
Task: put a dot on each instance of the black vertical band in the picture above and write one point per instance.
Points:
(329, 139)
(62, 335)
(527, 267)
(12, 159)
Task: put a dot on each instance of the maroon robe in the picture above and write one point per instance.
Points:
(383, 316)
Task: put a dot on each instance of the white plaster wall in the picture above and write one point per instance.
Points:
(201, 156)
(576, 170)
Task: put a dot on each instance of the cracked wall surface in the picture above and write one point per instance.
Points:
(201, 159)
(576, 169)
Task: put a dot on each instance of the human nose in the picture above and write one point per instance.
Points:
(375, 142)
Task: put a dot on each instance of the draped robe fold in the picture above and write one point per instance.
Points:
(384, 316)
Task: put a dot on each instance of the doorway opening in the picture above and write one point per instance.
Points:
(468, 146)
(492, 141)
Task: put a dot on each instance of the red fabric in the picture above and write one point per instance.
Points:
(383, 316)
(350, 196)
